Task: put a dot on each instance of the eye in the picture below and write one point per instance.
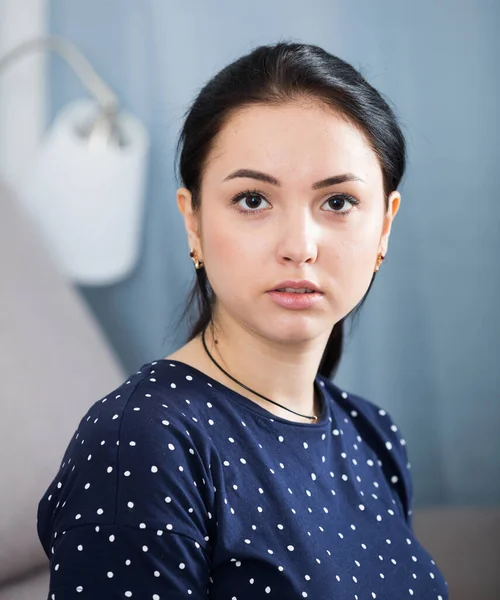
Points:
(253, 203)
(342, 201)
(252, 199)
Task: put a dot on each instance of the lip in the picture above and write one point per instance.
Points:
(297, 284)
(294, 300)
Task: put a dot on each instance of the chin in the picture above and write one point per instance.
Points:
(294, 328)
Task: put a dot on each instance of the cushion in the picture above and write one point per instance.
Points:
(465, 543)
(54, 363)
(34, 586)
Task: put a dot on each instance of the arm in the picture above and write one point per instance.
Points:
(130, 512)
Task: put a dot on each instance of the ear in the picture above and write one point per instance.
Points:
(191, 220)
(392, 209)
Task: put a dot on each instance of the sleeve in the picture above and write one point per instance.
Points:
(115, 561)
(396, 464)
(408, 482)
(130, 514)
(384, 436)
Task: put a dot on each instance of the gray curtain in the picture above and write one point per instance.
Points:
(426, 347)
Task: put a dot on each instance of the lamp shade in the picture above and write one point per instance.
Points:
(87, 198)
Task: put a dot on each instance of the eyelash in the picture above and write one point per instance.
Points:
(246, 193)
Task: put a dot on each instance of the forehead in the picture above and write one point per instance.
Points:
(294, 142)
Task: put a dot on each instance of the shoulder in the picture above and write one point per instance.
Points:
(145, 412)
(368, 413)
(138, 448)
(377, 428)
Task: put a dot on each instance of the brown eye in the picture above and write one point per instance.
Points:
(252, 200)
(337, 202)
(340, 202)
(249, 202)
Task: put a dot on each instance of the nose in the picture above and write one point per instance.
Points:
(298, 237)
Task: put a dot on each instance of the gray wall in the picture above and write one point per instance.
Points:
(426, 347)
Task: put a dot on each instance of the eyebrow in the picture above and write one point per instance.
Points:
(259, 176)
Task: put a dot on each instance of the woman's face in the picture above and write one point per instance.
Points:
(290, 228)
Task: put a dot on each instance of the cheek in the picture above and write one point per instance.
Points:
(234, 244)
(230, 259)
(351, 262)
(357, 250)
(363, 238)
(227, 247)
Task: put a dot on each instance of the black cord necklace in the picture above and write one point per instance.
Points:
(314, 418)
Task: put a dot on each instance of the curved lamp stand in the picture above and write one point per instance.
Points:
(85, 189)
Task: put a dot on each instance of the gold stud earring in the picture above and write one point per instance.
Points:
(197, 263)
(380, 258)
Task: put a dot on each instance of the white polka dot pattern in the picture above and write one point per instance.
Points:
(176, 486)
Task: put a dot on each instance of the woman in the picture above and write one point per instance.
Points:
(235, 468)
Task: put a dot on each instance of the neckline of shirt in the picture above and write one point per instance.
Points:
(248, 404)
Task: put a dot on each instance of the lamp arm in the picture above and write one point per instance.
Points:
(76, 60)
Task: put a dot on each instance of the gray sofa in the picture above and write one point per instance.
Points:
(48, 341)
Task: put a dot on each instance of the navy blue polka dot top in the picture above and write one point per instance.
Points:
(175, 486)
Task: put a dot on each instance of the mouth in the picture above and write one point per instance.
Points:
(296, 291)
(303, 286)
(296, 298)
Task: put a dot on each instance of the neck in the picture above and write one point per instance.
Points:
(281, 371)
